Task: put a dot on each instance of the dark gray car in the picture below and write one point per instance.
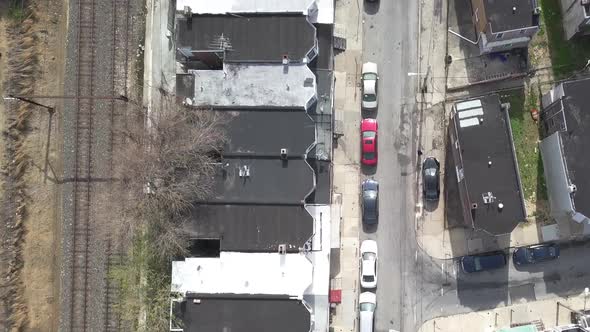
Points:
(370, 201)
(431, 179)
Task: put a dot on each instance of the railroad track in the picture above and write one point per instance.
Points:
(91, 287)
(83, 166)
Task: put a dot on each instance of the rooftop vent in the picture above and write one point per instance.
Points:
(285, 59)
(488, 198)
(474, 206)
(500, 206)
(244, 171)
(514, 10)
(197, 301)
(282, 249)
(284, 154)
(537, 11)
(308, 82)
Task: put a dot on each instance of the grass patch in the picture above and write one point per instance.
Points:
(16, 10)
(144, 281)
(525, 132)
(566, 56)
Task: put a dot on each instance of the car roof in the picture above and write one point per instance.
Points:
(369, 86)
(369, 67)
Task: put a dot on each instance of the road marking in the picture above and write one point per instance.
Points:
(442, 291)
(442, 269)
(416, 256)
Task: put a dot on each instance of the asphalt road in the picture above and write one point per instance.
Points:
(390, 40)
(412, 286)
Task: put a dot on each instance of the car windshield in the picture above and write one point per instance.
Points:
(368, 134)
(368, 278)
(369, 97)
(368, 255)
(430, 172)
(367, 307)
(369, 76)
(477, 264)
(369, 155)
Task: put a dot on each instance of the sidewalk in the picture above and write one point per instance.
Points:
(543, 314)
(346, 179)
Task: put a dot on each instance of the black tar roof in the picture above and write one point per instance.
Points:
(264, 132)
(490, 140)
(271, 181)
(257, 38)
(253, 228)
(502, 18)
(576, 141)
(242, 314)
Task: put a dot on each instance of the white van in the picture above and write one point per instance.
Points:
(367, 304)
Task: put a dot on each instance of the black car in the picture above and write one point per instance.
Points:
(431, 179)
(478, 263)
(535, 254)
(370, 201)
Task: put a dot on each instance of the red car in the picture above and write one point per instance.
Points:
(369, 142)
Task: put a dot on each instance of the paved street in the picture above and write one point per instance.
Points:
(414, 287)
(390, 40)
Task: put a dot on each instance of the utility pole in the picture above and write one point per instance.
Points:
(49, 109)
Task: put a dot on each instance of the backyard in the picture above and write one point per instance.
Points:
(567, 57)
(526, 137)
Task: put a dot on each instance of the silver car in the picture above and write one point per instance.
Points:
(370, 77)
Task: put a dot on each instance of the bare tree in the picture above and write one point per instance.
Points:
(169, 164)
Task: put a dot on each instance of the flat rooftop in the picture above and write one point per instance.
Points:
(243, 273)
(291, 86)
(303, 7)
(206, 313)
(264, 132)
(502, 17)
(262, 181)
(484, 137)
(252, 228)
(249, 38)
(576, 140)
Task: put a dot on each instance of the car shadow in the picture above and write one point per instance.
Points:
(368, 170)
(369, 114)
(369, 229)
(372, 8)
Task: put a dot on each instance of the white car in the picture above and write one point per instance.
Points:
(367, 304)
(369, 264)
(370, 77)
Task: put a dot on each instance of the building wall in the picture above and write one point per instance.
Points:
(556, 177)
(491, 46)
(575, 20)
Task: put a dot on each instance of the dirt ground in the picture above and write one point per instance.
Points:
(40, 250)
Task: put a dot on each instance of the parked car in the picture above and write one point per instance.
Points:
(478, 263)
(431, 179)
(367, 305)
(370, 201)
(370, 77)
(535, 254)
(369, 264)
(369, 141)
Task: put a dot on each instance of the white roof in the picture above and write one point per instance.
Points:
(246, 6)
(238, 85)
(243, 273)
